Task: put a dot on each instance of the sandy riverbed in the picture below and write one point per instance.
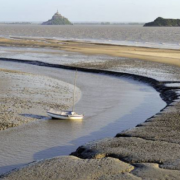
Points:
(25, 97)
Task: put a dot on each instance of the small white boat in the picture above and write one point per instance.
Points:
(69, 115)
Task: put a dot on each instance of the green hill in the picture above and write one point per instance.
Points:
(57, 19)
(164, 22)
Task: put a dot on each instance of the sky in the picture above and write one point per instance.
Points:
(89, 10)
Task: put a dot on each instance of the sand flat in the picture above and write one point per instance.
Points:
(25, 96)
(169, 56)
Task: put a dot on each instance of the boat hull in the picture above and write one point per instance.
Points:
(65, 117)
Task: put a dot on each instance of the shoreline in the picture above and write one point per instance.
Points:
(103, 42)
(167, 93)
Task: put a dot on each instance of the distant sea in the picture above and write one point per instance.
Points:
(135, 35)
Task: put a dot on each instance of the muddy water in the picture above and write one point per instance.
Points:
(110, 105)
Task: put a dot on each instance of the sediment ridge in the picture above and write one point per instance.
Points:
(150, 150)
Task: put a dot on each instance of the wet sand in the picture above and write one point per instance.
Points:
(150, 150)
(168, 56)
(24, 95)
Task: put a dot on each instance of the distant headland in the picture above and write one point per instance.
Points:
(57, 19)
(164, 22)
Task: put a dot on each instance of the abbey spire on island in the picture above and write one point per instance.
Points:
(57, 19)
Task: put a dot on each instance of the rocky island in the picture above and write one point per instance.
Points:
(57, 19)
(164, 22)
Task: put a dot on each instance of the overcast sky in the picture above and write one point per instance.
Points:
(89, 10)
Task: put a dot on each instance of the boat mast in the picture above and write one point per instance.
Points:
(74, 90)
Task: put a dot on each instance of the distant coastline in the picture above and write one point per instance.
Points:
(79, 23)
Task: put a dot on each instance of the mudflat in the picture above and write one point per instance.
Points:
(148, 151)
(26, 97)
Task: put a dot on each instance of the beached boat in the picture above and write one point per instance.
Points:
(69, 115)
(64, 115)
